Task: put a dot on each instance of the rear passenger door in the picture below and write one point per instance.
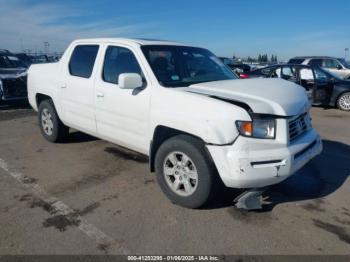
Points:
(77, 88)
(121, 114)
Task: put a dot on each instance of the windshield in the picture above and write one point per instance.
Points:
(5, 62)
(344, 63)
(10, 62)
(178, 66)
(16, 61)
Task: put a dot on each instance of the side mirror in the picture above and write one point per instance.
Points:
(339, 67)
(129, 81)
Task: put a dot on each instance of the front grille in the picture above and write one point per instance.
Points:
(14, 87)
(299, 126)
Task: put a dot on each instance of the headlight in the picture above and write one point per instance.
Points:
(258, 128)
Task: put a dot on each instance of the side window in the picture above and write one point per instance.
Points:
(316, 62)
(162, 62)
(288, 73)
(276, 73)
(320, 75)
(331, 63)
(119, 60)
(306, 74)
(82, 60)
(266, 71)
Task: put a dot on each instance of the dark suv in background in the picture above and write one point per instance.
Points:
(13, 78)
(337, 66)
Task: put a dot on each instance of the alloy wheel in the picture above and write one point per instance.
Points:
(180, 173)
(46, 122)
(344, 102)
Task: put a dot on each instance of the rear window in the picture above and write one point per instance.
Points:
(82, 60)
(296, 61)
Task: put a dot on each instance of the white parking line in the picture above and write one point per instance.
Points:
(103, 241)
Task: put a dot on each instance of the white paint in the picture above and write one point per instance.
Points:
(266, 96)
(130, 118)
(60, 208)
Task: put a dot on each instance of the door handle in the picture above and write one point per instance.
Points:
(100, 95)
(63, 86)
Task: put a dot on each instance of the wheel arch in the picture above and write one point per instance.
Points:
(39, 97)
(162, 133)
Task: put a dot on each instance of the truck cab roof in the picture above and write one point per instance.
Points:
(137, 41)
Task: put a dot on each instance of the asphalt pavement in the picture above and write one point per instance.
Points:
(88, 196)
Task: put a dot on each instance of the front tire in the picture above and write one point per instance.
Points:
(185, 171)
(51, 126)
(343, 102)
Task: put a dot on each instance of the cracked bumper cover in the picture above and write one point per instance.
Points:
(249, 163)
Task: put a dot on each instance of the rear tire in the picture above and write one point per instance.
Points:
(343, 102)
(185, 171)
(51, 126)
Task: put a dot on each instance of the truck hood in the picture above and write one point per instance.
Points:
(264, 96)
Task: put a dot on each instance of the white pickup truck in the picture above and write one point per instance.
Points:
(178, 104)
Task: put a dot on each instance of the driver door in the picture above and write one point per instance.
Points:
(121, 114)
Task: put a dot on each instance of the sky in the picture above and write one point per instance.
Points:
(226, 27)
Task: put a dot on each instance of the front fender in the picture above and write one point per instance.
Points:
(209, 119)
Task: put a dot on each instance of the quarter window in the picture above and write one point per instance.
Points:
(82, 60)
(119, 60)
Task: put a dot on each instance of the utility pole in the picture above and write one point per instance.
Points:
(21, 41)
(46, 47)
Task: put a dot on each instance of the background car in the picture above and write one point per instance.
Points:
(13, 78)
(239, 68)
(322, 87)
(337, 66)
(28, 60)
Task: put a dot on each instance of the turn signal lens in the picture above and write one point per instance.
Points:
(258, 128)
(245, 128)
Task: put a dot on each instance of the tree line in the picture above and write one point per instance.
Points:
(263, 58)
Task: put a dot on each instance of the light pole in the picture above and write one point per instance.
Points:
(46, 46)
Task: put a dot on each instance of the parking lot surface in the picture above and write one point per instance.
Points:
(88, 196)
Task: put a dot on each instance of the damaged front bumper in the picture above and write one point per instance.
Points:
(13, 88)
(254, 163)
